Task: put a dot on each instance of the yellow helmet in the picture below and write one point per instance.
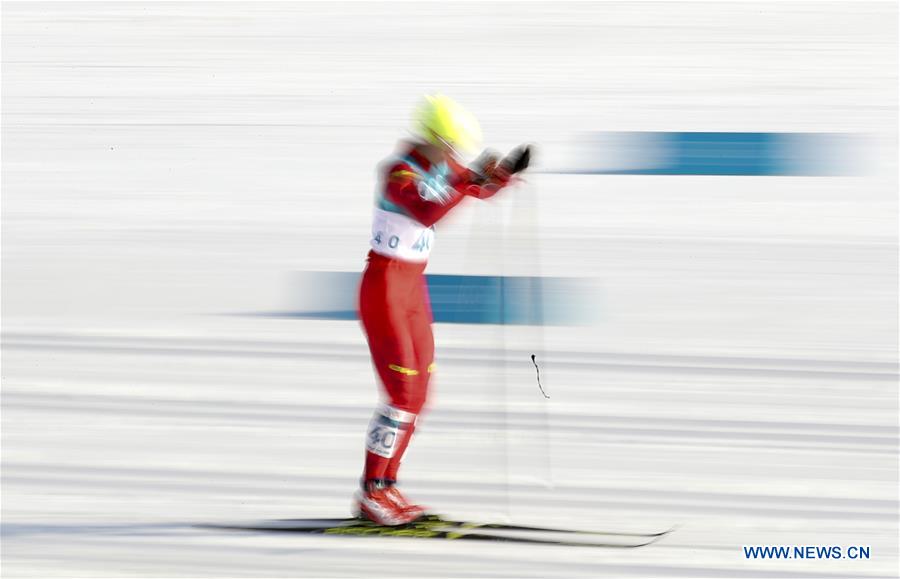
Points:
(441, 120)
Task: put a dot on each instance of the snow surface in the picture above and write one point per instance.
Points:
(168, 167)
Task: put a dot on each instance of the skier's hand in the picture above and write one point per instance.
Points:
(490, 173)
(505, 172)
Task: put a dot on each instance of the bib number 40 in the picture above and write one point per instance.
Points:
(393, 241)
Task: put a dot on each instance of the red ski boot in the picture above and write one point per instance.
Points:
(403, 503)
(376, 503)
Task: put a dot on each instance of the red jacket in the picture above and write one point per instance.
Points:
(402, 181)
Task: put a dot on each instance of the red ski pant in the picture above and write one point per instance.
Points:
(396, 317)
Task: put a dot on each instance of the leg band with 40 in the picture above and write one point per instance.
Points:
(387, 427)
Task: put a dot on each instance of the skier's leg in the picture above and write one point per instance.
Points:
(384, 310)
(384, 313)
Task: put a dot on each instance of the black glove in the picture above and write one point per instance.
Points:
(517, 160)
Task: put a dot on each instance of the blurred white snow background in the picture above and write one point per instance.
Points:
(169, 168)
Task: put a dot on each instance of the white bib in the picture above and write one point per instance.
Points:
(401, 237)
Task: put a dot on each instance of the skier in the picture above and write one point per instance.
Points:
(417, 188)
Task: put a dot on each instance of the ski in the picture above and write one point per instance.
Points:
(434, 527)
(508, 527)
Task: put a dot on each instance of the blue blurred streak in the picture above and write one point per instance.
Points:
(458, 299)
(715, 153)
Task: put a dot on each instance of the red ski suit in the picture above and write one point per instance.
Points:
(393, 299)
